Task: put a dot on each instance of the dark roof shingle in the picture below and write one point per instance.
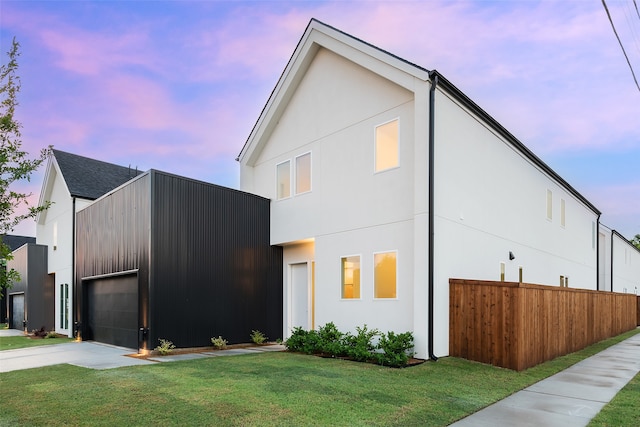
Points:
(14, 242)
(89, 178)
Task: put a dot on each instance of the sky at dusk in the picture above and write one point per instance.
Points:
(178, 85)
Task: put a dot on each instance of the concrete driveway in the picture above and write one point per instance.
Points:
(89, 354)
(86, 354)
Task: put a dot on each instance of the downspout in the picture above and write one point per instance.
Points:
(597, 231)
(74, 307)
(611, 267)
(432, 103)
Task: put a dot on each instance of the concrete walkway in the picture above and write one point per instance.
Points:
(93, 355)
(569, 398)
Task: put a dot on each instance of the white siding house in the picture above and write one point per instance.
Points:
(71, 183)
(619, 263)
(343, 150)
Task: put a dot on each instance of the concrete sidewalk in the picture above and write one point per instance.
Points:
(93, 355)
(569, 398)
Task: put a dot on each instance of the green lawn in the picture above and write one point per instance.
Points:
(9, 343)
(623, 410)
(266, 389)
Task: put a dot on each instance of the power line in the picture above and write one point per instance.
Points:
(636, 5)
(621, 46)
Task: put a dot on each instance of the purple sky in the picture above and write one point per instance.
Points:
(178, 85)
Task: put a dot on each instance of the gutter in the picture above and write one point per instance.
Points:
(432, 102)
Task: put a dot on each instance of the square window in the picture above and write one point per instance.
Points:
(387, 154)
(384, 275)
(303, 173)
(351, 277)
(283, 180)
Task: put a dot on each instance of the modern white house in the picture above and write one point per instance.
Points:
(619, 263)
(71, 182)
(386, 180)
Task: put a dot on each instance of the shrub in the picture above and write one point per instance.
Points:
(51, 334)
(165, 347)
(397, 348)
(311, 343)
(258, 337)
(219, 343)
(331, 340)
(360, 347)
(297, 339)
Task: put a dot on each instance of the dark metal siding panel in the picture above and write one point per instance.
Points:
(113, 236)
(214, 270)
(30, 261)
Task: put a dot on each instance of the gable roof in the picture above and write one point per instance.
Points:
(89, 178)
(400, 71)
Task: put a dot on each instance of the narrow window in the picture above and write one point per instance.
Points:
(303, 173)
(64, 306)
(351, 277)
(387, 146)
(549, 205)
(562, 212)
(384, 275)
(283, 178)
(55, 236)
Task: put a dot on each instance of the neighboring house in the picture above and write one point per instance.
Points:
(14, 242)
(71, 182)
(30, 301)
(386, 180)
(619, 266)
(178, 259)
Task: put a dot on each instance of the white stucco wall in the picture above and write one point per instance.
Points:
(626, 266)
(351, 210)
(55, 229)
(490, 200)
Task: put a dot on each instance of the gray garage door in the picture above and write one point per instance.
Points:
(112, 310)
(16, 311)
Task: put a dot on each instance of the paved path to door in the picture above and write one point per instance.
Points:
(93, 355)
(569, 398)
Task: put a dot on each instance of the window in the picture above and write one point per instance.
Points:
(562, 213)
(64, 306)
(549, 205)
(283, 179)
(351, 277)
(303, 173)
(384, 274)
(387, 146)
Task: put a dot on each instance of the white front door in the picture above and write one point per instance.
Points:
(300, 296)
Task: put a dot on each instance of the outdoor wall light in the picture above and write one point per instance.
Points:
(511, 256)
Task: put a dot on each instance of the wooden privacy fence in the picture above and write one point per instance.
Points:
(519, 325)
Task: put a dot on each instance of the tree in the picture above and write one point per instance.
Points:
(15, 165)
(636, 241)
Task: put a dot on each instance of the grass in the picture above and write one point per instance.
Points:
(623, 410)
(11, 343)
(283, 389)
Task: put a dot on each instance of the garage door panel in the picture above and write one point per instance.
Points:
(112, 310)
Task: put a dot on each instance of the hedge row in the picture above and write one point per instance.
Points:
(391, 349)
